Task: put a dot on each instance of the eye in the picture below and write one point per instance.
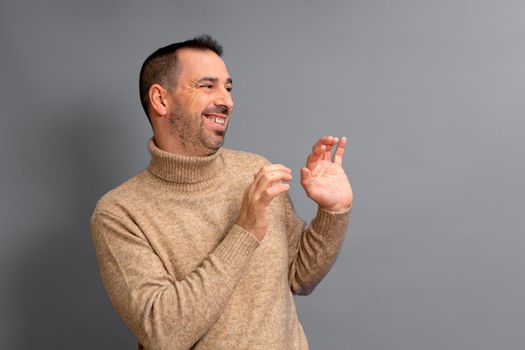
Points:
(229, 88)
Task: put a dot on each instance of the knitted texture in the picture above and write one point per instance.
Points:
(182, 275)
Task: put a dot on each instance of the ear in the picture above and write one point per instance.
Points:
(158, 98)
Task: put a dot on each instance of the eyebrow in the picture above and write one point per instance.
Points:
(213, 80)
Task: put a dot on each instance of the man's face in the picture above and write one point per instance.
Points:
(202, 102)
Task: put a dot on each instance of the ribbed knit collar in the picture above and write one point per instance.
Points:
(185, 170)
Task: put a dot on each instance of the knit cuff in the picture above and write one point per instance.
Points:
(328, 221)
(237, 247)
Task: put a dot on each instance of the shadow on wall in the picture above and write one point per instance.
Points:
(56, 297)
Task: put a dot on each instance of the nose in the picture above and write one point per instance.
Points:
(224, 98)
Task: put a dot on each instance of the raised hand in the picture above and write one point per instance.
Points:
(324, 180)
(259, 194)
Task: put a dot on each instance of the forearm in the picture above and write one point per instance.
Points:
(317, 250)
(162, 312)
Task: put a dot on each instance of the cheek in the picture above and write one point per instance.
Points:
(196, 102)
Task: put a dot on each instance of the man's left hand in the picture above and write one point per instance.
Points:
(324, 180)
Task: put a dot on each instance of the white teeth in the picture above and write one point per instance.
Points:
(217, 120)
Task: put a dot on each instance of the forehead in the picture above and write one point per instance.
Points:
(195, 64)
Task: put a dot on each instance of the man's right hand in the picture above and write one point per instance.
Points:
(259, 194)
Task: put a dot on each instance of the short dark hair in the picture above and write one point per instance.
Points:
(161, 65)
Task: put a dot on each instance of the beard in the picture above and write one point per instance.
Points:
(191, 131)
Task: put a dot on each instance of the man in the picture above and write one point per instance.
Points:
(202, 249)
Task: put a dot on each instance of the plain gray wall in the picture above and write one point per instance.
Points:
(429, 93)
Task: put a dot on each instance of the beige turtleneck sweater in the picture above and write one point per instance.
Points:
(181, 274)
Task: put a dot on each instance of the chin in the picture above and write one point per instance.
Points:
(212, 142)
(218, 145)
(214, 146)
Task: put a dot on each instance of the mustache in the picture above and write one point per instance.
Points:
(216, 110)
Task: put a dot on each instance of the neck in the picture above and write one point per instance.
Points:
(189, 172)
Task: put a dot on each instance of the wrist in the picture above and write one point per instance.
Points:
(256, 232)
(337, 208)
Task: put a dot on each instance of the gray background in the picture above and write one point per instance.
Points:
(430, 94)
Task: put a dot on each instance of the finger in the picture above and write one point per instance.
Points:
(316, 155)
(327, 155)
(329, 142)
(326, 140)
(269, 168)
(253, 187)
(306, 177)
(338, 155)
(279, 168)
(265, 180)
(270, 193)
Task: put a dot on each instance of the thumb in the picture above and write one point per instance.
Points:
(306, 177)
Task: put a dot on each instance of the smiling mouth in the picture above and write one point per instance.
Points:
(221, 120)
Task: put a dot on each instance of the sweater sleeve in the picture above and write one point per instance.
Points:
(164, 313)
(312, 249)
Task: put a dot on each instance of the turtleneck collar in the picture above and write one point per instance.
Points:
(187, 171)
